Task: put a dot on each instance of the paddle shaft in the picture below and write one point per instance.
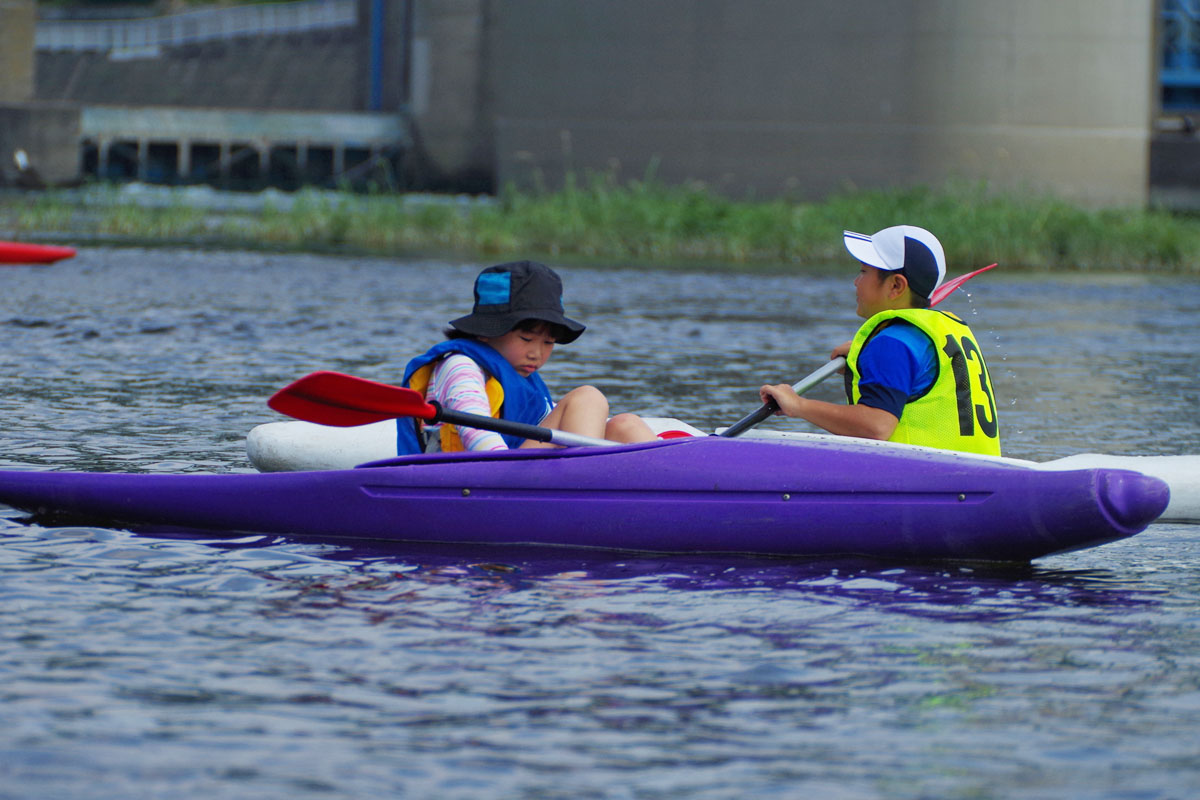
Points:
(535, 432)
(770, 407)
(340, 400)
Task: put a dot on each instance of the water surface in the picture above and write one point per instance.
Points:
(140, 665)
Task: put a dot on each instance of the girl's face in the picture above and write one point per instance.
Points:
(527, 351)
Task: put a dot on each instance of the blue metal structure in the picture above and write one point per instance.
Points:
(1180, 68)
(375, 44)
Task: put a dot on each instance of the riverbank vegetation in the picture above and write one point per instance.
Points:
(595, 219)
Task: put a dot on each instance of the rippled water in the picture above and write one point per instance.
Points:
(155, 665)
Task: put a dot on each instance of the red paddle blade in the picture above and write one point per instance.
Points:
(943, 291)
(334, 398)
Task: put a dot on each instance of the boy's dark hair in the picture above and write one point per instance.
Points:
(920, 302)
(917, 300)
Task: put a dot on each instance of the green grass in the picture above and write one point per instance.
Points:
(645, 222)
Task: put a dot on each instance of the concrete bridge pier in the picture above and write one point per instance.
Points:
(46, 132)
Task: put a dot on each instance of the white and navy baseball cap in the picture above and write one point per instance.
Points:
(914, 252)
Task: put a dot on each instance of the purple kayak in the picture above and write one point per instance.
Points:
(694, 495)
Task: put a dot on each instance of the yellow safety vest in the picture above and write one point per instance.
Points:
(958, 411)
(450, 439)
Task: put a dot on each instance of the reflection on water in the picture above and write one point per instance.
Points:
(254, 666)
(143, 665)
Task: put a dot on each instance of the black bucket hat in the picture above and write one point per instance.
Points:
(506, 294)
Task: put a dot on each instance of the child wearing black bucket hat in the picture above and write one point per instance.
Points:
(489, 365)
(913, 374)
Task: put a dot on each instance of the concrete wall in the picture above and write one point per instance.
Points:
(438, 78)
(809, 96)
(17, 19)
(1058, 95)
(49, 134)
(316, 71)
(452, 94)
(803, 97)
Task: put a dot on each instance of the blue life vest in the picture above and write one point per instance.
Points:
(526, 400)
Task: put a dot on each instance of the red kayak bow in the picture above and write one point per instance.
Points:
(23, 253)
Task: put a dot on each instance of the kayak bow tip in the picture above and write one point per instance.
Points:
(1132, 499)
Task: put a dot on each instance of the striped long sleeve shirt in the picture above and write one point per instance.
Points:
(459, 383)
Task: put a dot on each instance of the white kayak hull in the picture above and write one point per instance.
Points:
(304, 446)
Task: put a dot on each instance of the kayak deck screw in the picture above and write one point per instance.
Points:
(466, 492)
(787, 496)
(962, 497)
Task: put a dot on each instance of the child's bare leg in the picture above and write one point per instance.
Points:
(582, 410)
(628, 428)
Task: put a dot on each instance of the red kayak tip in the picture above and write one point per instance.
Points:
(23, 253)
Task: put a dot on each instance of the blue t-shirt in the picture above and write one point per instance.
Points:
(897, 365)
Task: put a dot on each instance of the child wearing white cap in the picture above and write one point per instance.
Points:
(913, 374)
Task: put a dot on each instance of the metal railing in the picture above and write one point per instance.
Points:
(195, 26)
